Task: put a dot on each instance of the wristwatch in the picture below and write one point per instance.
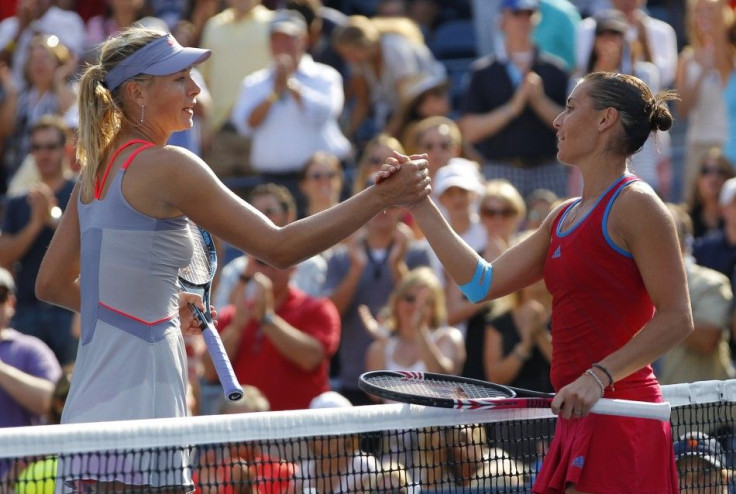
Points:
(268, 318)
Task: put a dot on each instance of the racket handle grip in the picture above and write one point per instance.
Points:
(638, 409)
(230, 385)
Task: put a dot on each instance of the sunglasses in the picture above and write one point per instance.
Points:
(712, 170)
(320, 176)
(492, 213)
(37, 146)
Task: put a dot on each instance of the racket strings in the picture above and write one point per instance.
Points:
(199, 271)
(435, 388)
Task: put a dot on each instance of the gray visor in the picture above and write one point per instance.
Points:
(163, 56)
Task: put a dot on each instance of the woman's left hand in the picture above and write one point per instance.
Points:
(577, 398)
(188, 322)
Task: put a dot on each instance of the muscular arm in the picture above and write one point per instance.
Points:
(182, 183)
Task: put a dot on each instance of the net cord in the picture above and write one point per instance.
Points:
(80, 438)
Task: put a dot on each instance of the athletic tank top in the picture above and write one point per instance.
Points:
(131, 361)
(599, 298)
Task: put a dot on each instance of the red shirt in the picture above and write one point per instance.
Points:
(258, 362)
(599, 298)
(268, 475)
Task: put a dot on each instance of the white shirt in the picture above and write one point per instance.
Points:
(291, 133)
(662, 45)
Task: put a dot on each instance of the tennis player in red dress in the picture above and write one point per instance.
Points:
(612, 263)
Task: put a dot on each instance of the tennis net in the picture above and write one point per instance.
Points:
(380, 448)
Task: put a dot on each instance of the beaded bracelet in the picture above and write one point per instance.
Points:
(597, 379)
(607, 373)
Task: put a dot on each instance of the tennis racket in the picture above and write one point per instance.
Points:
(444, 391)
(197, 278)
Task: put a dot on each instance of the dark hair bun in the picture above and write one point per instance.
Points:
(660, 117)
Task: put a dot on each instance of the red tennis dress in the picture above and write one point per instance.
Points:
(599, 303)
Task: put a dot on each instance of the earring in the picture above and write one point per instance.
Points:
(143, 113)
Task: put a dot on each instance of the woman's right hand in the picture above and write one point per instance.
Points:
(403, 180)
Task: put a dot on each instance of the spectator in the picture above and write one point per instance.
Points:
(335, 463)
(459, 457)
(382, 55)
(29, 224)
(438, 137)
(49, 67)
(321, 24)
(554, 33)
(529, 92)
(118, 15)
(321, 182)
(28, 368)
(717, 250)
(297, 100)
(278, 205)
(244, 468)
(40, 476)
(518, 347)
(420, 339)
(241, 24)
(703, 206)
(374, 154)
(363, 271)
(704, 355)
(650, 39)
(280, 328)
(612, 53)
(700, 464)
(538, 206)
(700, 82)
(422, 96)
(502, 211)
(37, 17)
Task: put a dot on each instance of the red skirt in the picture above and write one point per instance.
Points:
(607, 454)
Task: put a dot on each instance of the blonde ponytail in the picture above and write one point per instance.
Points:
(100, 110)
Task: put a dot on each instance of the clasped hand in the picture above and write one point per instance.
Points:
(409, 182)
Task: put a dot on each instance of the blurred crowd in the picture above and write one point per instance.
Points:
(301, 103)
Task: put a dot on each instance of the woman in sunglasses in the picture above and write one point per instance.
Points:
(702, 202)
(419, 338)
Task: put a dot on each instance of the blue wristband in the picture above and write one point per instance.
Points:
(477, 288)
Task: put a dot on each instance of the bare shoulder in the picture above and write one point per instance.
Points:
(639, 212)
(639, 201)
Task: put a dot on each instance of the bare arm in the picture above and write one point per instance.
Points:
(301, 349)
(516, 268)
(544, 107)
(181, 183)
(13, 246)
(31, 392)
